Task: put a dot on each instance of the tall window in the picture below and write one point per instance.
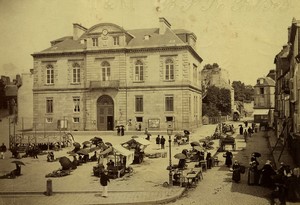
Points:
(169, 103)
(49, 74)
(105, 71)
(169, 74)
(139, 71)
(139, 104)
(76, 73)
(261, 91)
(49, 105)
(116, 40)
(76, 102)
(95, 41)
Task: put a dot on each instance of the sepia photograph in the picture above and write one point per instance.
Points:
(130, 102)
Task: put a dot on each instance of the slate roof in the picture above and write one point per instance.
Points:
(169, 38)
(267, 82)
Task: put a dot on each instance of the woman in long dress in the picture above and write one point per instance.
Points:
(253, 174)
(266, 175)
(236, 175)
(228, 158)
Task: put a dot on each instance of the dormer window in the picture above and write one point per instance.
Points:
(147, 37)
(95, 41)
(116, 40)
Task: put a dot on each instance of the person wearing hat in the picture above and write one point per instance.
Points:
(104, 179)
(266, 174)
(253, 173)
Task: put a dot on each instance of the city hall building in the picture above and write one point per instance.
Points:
(107, 76)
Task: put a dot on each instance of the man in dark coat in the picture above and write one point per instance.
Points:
(162, 142)
(228, 158)
(104, 179)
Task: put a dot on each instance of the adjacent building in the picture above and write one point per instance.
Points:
(264, 101)
(105, 76)
(287, 115)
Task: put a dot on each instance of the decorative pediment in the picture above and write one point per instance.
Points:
(105, 29)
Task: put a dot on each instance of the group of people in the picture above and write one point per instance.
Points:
(160, 142)
(247, 131)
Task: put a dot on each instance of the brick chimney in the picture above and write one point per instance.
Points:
(163, 25)
(78, 30)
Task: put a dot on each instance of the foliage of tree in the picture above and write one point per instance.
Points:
(216, 100)
(242, 92)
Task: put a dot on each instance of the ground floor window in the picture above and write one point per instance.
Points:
(76, 119)
(169, 118)
(139, 119)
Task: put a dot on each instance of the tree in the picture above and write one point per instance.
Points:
(242, 92)
(216, 100)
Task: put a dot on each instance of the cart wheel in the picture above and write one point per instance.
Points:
(165, 184)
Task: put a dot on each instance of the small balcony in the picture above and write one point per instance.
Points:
(110, 84)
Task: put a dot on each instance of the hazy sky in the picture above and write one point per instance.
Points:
(242, 36)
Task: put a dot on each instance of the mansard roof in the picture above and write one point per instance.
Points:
(267, 82)
(138, 38)
(169, 38)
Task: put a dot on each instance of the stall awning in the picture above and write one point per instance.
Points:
(125, 152)
(261, 112)
(142, 141)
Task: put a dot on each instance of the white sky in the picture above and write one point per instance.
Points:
(242, 36)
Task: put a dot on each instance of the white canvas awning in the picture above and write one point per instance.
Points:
(261, 112)
(119, 149)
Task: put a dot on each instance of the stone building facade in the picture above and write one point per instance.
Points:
(106, 76)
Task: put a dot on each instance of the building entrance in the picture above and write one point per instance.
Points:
(105, 113)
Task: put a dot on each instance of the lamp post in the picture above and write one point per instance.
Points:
(169, 132)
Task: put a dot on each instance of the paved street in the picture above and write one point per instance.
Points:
(144, 186)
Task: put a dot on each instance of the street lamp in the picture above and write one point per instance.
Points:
(169, 132)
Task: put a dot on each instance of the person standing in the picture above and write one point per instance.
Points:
(104, 179)
(158, 141)
(241, 130)
(162, 142)
(209, 160)
(266, 175)
(228, 158)
(2, 151)
(236, 175)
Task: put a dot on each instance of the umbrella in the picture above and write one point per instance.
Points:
(18, 162)
(108, 143)
(178, 135)
(76, 144)
(86, 142)
(83, 152)
(256, 154)
(180, 156)
(195, 143)
(65, 162)
(186, 132)
(198, 148)
(134, 137)
(73, 154)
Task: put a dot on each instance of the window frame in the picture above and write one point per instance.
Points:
(139, 103)
(116, 40)
(105, 71)
(49, 105)
(76, 73)
(169, 70)
(76, 103)
(49, 74)
(169, 104)
(95, 41)
(139, 71)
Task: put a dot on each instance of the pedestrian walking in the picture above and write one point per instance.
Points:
(162, 142)
(158, 141)
(266, 175)
(3, 149)
(250, 131)
(122, 130)
(245, 135)
(104, 179)
(241, 130)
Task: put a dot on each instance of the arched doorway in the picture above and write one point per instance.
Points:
(105, 113)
